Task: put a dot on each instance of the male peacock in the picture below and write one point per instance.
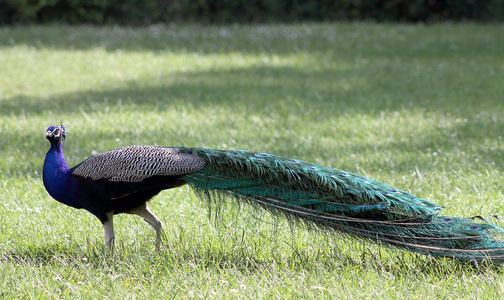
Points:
(124, 179)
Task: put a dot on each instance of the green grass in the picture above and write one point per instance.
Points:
(418, 107)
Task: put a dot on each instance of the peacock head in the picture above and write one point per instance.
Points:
(56, 134)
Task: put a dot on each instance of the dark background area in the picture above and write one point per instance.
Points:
(145, 12)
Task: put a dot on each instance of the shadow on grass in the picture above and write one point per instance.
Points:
(40, 255)
(282, 90)
(259, 89)
(352, 37)
(64, 254)
(188, 38)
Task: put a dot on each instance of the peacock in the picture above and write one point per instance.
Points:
(123, 180)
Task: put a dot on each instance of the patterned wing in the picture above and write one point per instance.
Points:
(137, 163)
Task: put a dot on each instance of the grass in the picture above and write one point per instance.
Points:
(418, 107)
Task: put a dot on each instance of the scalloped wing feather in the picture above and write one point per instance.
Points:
(137, 163)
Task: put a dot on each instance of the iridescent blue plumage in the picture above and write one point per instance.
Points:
(118, 181)
(123, 179)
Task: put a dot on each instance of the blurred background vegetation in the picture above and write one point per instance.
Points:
(145, 12)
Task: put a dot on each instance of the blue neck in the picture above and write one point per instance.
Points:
(57, 175)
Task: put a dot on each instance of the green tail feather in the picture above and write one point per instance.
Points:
(345, 202)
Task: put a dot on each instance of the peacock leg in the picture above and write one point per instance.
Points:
(108, 227)
(145, 212)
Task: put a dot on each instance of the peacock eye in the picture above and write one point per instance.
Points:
(190, 152)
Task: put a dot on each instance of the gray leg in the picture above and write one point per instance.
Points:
(108, 227)
(145, 212)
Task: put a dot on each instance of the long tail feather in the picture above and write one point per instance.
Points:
(344, 202)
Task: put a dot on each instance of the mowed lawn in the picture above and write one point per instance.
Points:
(418, 107)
